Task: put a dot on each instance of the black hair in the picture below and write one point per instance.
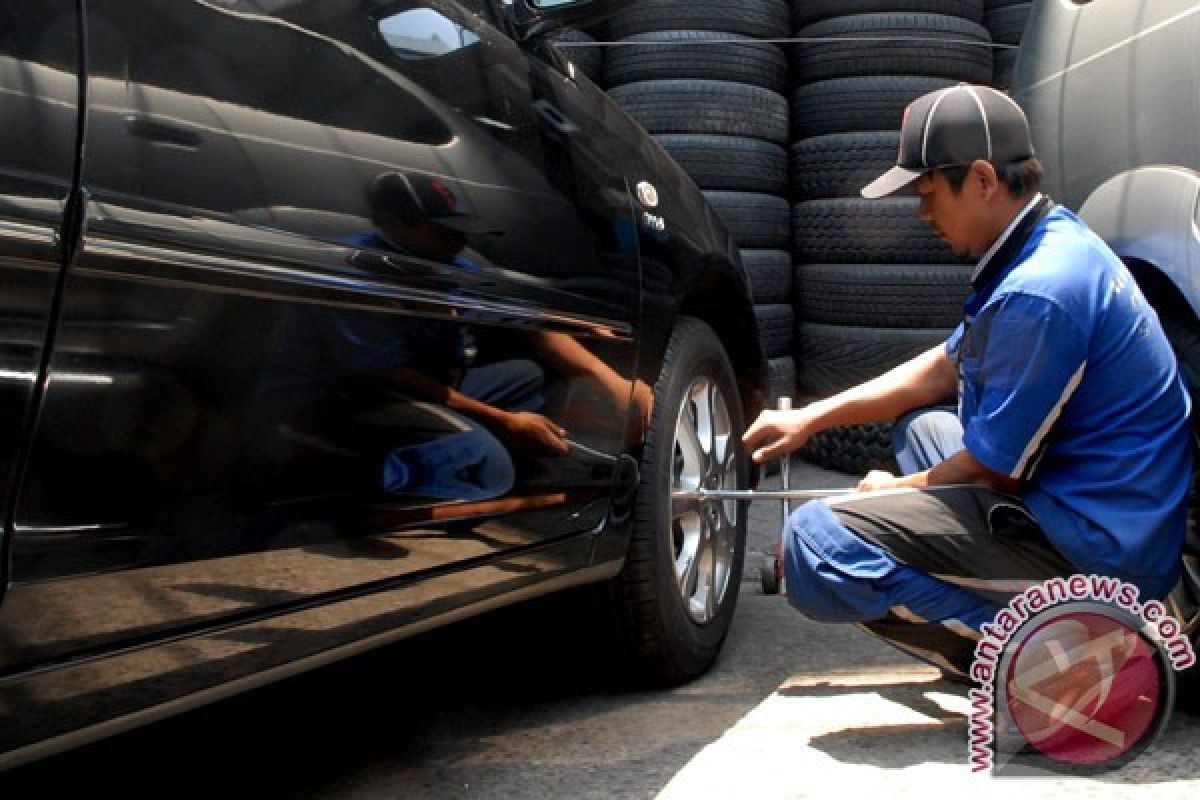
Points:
(1021, 177)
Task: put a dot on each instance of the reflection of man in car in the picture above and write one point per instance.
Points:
(431, 218)
(421, 215)
(452, 419)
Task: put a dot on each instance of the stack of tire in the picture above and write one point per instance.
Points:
(694, 74)
(873, 285)
(1005, 20)
(581, 49)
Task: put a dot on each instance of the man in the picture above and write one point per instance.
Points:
(1070, 451)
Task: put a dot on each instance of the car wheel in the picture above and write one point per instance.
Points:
(1185, 339)
(679, 587)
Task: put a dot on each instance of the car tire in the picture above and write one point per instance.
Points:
(671, 624)
(764, 19)
(850, 230)
(708, 55)
(1007, 23)
(853, 449)
(781, 379)
(830, 358)
(805, 12)
(696, 106)
(867, 103)
(732, 163)
(841, 164)
(754, 219)
(776, 329)
(1181, 330)
(770, 274)
(1006, 65)
(882, 295)
(893, 44)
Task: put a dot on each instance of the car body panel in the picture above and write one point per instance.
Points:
(39, 103)
(246, 349)
(1110, 88)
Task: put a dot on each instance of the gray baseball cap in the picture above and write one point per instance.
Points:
(954, 127)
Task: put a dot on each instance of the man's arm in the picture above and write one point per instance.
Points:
(924, 380)
(960, 468)
(529, 432)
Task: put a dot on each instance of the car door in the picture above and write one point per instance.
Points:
(39, 45)
(342, 331)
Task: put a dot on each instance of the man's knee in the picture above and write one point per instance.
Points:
(830, 572)
(926, 437)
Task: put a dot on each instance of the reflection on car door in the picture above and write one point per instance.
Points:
(39, 106)
(345, 330)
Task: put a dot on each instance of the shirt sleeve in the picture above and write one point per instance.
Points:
(1021, 361)
(954, 341)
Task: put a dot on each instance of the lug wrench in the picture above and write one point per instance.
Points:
(771, 575)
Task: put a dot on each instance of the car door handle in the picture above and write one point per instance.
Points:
(552, 116)
(145, 127)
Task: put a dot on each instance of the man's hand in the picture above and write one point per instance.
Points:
(778, 433)
(532, 434)
(643, 403)
(877, 479)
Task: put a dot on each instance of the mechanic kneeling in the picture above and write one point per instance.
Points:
(1070, 450)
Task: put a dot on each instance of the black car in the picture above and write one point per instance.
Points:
(325, 323)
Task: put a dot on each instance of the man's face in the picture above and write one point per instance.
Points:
(960, 219)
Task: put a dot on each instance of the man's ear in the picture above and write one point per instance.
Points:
(983, 174)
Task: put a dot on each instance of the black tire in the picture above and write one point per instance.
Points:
(707, 55)
(770, 273)
(857, 231)
(894, 44)
(664, 642)
(588, 58)
(763, 19)
(840, 164)
(754, 219)
(781, 379)
(721, 107)
(872, 103)
(805, 12)
(882, 295)
(1006, 24)
(1184, 335)
(776, 324)
(734, 163)
(1006, 63)
(830, 358)
(854, 449)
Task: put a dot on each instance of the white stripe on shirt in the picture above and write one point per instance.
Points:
(991, 251)
(1051, 418)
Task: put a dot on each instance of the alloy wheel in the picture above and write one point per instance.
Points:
(703, 534)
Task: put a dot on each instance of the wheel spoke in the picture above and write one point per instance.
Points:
(686, 562)
(698, 597)
(720, 430)
(690, 446)
(701, 401)
(710, 593)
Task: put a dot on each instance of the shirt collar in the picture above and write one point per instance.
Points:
(996, 245)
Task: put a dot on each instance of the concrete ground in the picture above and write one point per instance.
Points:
(518, 705)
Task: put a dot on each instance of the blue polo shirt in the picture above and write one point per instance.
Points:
(1066, 380)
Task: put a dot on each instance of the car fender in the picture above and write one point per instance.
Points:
(1152, 215)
